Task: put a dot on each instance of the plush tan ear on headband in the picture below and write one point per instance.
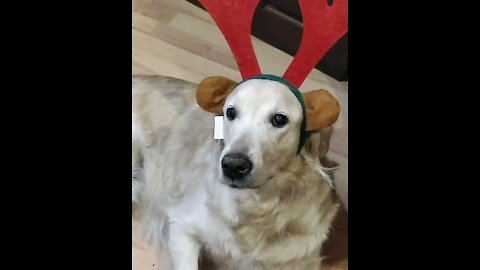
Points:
(322, 109)
(212, 93)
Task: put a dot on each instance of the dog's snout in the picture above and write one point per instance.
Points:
(236, 166)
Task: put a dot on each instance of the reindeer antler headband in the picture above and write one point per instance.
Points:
(323, 26)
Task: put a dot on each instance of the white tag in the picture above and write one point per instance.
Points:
(218, 131)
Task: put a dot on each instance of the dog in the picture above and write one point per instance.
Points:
(250, 201)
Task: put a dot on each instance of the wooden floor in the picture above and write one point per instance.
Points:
(176, 38)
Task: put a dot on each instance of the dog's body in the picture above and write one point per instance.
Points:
(277, 220)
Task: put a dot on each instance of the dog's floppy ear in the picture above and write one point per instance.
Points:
(212, 93)
(322, 109)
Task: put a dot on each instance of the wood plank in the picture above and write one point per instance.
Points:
(139, 69)
(160, 10)
(192, 10)
(181, 57)
(199, 28)
(195, 45)
(163, 67)
(184, 40)
(143, 23)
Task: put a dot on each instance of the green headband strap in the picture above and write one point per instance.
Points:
(303, 133)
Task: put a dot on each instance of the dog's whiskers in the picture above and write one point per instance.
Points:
(323, 172)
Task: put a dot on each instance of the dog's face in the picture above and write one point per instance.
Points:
(262, 121)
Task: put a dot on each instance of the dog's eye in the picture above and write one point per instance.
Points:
(279, 120)
(231, 113)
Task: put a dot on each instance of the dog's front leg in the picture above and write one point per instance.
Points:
(184, 249)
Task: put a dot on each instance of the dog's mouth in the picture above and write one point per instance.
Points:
(243, 183)
(234, 184)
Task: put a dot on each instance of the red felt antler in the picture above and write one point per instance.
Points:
(323, 26)
(234, 18)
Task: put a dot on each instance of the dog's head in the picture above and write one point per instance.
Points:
(262, 125)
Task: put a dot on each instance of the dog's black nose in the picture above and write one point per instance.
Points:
(236, 166)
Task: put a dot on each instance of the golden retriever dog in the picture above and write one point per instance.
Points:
(248, 201)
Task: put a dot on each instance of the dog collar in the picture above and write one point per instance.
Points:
(303, 133)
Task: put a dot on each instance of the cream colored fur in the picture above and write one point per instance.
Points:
(178, 190)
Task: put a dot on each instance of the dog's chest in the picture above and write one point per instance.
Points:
(216, 226)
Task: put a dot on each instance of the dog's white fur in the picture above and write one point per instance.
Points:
(183, 200)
